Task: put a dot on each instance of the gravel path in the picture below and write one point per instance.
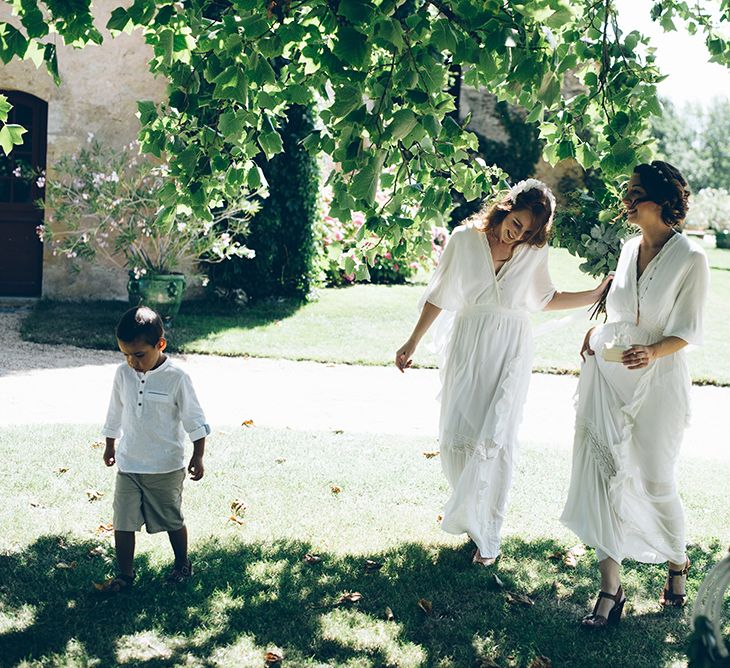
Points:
(44, 384)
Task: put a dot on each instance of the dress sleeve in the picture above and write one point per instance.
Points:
(444, 287)
(113, 423)
(191, 414)
(541, 289)
(685, 318)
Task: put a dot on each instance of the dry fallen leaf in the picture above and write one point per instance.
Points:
(349, 597)
(103, 586)
(389, 616)
(97, 444)
(36, 504)
(94, 494)
(541, 662)
(62, 544)
(498, 581)
(335, 489)
(439, 518)
(95, 552)
(280, 460)
(425, 605)
(247, 423)
(236, 520)
(65, 566)
(61, 470)
(311, 559)
(238, 507)
(372, 566)
(272, 659)
(105, 528)
(338, 431)
(515, 597)
(431, 455)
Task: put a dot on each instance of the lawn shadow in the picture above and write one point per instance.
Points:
(91, 324)
(248, 598)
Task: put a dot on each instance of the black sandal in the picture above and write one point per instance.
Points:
(596, 621)
(668, 598)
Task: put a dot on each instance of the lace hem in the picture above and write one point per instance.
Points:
(468, 446)
(600, 450)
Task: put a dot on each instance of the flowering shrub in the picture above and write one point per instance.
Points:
(344, 242)
(709, 209)
(105, 202)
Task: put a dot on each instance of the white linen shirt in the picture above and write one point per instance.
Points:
(149, 413)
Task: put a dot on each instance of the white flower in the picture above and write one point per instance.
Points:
(204, 281)
(181, 227)
(40, 181)
(89, 137)
(113, 177)
(529, 184)
(17, 172)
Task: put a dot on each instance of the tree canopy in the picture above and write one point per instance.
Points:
(380, 74)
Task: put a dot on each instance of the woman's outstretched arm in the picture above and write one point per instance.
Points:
(568, 300)
(403, 358)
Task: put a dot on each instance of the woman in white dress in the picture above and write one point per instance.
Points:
(491, 275)
(631, 412)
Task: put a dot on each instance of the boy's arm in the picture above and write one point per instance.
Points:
(195, 467)
(191, 414)
(110, 452)
(112, 429)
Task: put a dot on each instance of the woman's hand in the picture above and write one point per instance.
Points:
(403, 358)
(603, 286)
(586, 347)
(638, 357)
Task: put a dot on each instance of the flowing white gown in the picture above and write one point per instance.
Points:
(623, 497)
(486, 343)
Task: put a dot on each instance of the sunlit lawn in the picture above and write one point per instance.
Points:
(363, 324)
(344, 497)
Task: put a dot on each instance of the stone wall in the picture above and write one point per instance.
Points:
(100, 85)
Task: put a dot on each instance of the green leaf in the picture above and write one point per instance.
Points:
(32, 19)
(443, 36)
(5, 108)
(119, 21)
(356, 11)
(391, 31)
(147, 111)
(11, 135)
(12, 43)
(365, 183)
(231, 125)
(352, 46)
(269, 139)
(403, 121)
(254, 26)
(347, 98)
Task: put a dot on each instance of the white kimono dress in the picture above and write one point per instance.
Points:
(485, 338)
(623, 497)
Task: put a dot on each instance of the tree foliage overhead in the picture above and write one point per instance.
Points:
(379, 72)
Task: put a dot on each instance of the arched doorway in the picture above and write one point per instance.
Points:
(21, 251)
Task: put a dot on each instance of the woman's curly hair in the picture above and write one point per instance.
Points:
(665, 185)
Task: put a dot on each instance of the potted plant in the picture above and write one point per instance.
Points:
(104, 202)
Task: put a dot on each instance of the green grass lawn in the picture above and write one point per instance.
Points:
(363, 324)
(253, 592)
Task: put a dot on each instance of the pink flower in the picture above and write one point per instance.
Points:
(338, 235)
(387, 256)
(396, 267)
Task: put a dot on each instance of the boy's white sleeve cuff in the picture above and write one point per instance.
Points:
(108, 432)
(200, 432)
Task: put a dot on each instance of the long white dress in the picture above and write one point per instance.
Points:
(487, 347)
(623, 497)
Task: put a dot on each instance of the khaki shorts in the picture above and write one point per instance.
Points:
(152, 499)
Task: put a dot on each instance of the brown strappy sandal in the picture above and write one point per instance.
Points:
(668, 598)
(596, 621)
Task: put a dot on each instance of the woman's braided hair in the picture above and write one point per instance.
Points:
(665, 185)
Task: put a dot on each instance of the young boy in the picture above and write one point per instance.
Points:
(153, 404)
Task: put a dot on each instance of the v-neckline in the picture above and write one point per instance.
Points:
(488, 249)
(651, 262)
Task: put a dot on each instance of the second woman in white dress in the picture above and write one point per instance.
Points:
(492, 274)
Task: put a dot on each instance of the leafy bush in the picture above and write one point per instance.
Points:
(283, 232)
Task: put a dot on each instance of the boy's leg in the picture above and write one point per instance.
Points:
(124, 546)
(179, 542)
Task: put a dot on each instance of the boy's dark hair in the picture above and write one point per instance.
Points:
(140, 322)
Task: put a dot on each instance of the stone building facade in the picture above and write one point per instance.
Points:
(100, 85)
